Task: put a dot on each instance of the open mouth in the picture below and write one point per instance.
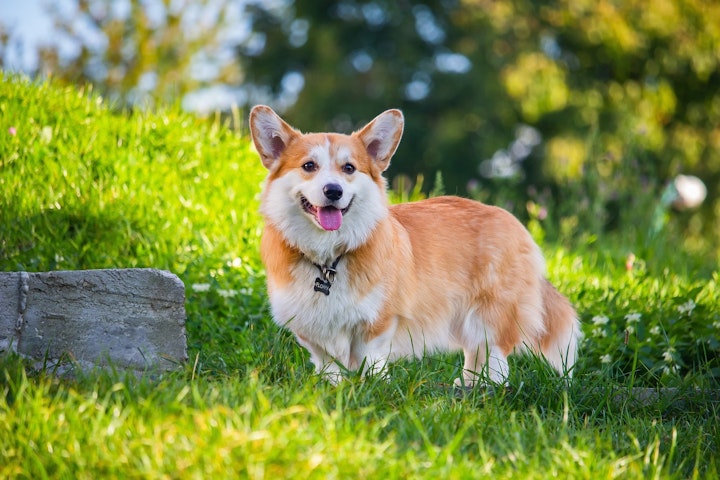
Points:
(329, 218)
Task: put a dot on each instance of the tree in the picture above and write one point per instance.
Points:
(141, 53)
(586, 108)
(358, 59)
(622, 96)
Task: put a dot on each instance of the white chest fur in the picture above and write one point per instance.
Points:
(312, 314)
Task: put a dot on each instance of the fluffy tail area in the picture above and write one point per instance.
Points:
(560, 342)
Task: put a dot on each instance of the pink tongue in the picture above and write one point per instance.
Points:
(330, 218)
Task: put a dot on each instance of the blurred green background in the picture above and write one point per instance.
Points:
(575, 115)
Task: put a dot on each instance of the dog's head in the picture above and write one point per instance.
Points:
(324, 182)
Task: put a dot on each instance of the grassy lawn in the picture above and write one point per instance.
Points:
(82, 187)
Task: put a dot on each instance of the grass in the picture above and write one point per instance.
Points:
(82, 187)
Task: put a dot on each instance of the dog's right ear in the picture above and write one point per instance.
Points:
(270, 133)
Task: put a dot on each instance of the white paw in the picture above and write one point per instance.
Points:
(468, 381)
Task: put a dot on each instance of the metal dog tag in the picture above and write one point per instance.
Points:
(322, 286)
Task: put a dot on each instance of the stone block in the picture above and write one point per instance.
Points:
(128, 318)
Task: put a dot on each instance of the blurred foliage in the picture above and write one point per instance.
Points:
(623, 95)
(138, 53)
(584, 110)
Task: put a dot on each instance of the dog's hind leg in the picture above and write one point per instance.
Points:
(560, 342)
(484, 360)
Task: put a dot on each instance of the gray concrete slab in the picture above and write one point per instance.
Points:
(128, 318)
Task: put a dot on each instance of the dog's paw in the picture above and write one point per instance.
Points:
(333, 378)
(463, 388)
(469, 382)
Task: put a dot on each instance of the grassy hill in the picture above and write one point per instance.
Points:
(84, 187)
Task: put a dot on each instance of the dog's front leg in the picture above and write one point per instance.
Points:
(330, 358)
(372, 353)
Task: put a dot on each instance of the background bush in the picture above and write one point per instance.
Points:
(618, 98)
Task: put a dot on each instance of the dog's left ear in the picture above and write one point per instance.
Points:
(382, 135)
(270, 133)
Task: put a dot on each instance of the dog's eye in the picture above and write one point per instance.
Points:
(309, 166)
(348, 168)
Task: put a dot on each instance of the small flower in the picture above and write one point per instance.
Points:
(600, 320)
(227, 293)
(200, 287)
(629, 330)
(655, 330)
(606, 358)
(599, 332)
(668, 355)
(12, 131)
(633, 317)
(686, 308)
(670, 370)
(542, 213)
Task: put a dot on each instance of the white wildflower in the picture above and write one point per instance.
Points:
(668, 355)
(633, 317)
(629, 330)
(655, 330)
(200, 287)
(599, 332)
(606, 358)
(686, 308)
(227, 293)
(600, 320)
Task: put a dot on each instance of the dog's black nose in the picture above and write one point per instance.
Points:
(333, 191)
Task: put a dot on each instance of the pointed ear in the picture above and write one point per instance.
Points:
(382, 136)
(270, 134)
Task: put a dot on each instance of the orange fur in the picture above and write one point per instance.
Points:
(277, 256)
(439, 274)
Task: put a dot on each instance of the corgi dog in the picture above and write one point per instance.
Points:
(360, 282)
